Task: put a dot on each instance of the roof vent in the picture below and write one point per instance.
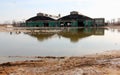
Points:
(40, 14)
(73, 12)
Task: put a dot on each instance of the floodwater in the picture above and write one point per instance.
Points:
(68, 42)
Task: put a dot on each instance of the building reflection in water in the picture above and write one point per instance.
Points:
(73, 34)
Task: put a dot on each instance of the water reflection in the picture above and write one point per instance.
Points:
(58, 42)
(73, 34)
(41, 36)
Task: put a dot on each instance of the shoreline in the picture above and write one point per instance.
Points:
(106, 63)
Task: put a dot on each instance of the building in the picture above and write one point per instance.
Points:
(99, 21)
(74, 19)
(41, 20)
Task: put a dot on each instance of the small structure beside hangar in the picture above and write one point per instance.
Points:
(99, 21)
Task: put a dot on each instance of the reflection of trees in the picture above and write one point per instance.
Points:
(73, 34)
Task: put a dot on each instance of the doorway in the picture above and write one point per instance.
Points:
(46, 25)
(80, 24)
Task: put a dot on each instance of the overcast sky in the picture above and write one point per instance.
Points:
(20, 10)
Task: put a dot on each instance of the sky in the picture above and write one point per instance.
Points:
(21, 10)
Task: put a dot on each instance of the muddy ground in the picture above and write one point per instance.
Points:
(107, 63)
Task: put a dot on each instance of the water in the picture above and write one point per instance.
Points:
(13, 59)
(68, 42)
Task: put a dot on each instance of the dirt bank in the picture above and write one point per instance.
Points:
(107, 63)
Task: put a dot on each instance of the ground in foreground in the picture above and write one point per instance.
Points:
(107, 63)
